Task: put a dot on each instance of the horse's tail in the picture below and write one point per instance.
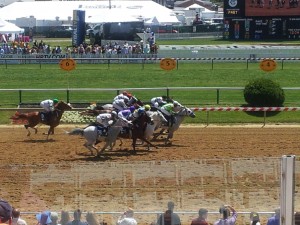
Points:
(19, 118)
(76, 131)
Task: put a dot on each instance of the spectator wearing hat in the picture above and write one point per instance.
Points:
(16, 220)
(201, 220)
(226, 218)
(275, 220)
(169, 217)
(44, 218)
(127, 218)
(77, 219)
(254, 218)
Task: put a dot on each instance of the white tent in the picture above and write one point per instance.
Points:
(6, 27)
(95, 11)
(194, 6)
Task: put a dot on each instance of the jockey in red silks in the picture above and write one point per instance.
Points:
(124, 95)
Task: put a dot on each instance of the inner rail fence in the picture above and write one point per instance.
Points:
(167, 91)
(44, 59)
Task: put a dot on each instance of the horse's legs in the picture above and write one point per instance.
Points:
(134, 143)
(155, 136)
(170, 136)
(28, 131)
(50, 131)
(90, 147)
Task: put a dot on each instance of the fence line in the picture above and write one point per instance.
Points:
(55, 59)
(117, 91)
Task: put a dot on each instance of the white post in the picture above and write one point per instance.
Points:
(287, 189)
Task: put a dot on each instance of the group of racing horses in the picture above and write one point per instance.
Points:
(145, 126)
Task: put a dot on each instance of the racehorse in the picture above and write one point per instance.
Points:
(179, 117)
(92, 137)
(135, 102)
(137, 131)
(34, 118)
(158, 119)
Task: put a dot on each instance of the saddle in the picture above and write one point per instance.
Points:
(47, 116)
(102, 131)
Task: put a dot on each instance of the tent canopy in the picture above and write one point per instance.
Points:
(95, 11)
(6, 27)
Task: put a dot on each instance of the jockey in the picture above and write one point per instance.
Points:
(157, 102)
(177, 106)
(126, 114)
(104, 120)
(169, 111)
(123, 95)
(140, 111)
(120, 104)
(48, 106)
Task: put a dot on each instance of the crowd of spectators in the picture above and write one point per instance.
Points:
(228, 216)
(109, 49)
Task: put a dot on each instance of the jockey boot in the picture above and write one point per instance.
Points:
(44, 117)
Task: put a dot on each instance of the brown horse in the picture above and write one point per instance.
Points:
(34, 118)
(137, 131)
(98, 109)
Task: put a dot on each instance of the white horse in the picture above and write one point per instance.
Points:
(179, 117)
(92, 137)
(158, 119)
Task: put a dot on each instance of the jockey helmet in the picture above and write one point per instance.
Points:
(147, 107)
(55, 100)
(129, 95)
(132, 108)
(141, 111)
(114, 114)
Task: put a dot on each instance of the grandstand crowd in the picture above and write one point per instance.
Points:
(105, 50)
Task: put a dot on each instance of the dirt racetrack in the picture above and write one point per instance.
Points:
(60, 173)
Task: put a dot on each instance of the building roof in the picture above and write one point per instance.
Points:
(95, 11)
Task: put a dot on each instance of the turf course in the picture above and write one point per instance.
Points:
(127, 76)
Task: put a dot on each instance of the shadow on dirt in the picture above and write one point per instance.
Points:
(110, 155)
(38, 141)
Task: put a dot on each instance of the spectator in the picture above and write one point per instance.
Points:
(65, 218)
(254, 218)
(201, 220)
(5, 211)
(77, 219)
(127, 218)
(226, 218)
(16, 220)
(274, 220)
(54, 218)
(169, 217)
(91, 219)
(44, 218)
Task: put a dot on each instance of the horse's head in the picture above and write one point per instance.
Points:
(62, 106)
(135, 101)
(184, 111)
